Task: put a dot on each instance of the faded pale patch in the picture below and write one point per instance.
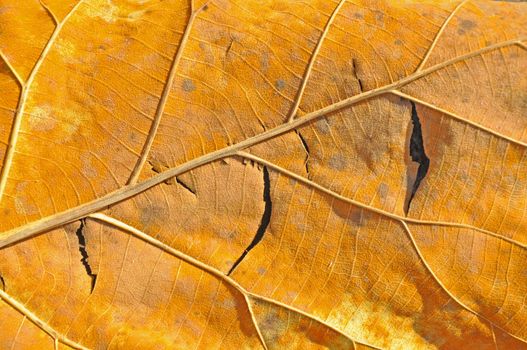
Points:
(66, 50)
(369, 323)
(136, 15)
(103, 9)
(88, 169)
(40, 118)
(22, 205)
(72, 120)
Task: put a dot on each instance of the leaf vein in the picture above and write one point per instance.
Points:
(13, 137)
(38, 322)
(164, 97)
(28, 230)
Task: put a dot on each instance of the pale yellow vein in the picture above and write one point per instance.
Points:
(164, 96)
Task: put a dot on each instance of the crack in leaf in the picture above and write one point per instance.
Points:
(185, 186)
(2, 282)
(158, 167)
(82, 249)
(359, 81)
(264, 223)
(418, 154)
(306, 148)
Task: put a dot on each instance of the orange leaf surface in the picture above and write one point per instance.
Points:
(230, 174)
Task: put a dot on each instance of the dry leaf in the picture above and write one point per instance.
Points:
(247, 174)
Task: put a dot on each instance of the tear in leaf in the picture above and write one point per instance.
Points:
(264, 223)
(418, 154)
(84, 254)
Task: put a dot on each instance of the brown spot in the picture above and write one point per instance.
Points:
(322, 126)
(279, 84)
(151, 214)
(264, 62)
(383, 190)
(337, 162)
(356, 217)
(188, 85)
(465, 26)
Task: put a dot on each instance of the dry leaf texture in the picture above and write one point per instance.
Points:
(243, 174)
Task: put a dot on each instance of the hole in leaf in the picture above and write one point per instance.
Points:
(306, 148)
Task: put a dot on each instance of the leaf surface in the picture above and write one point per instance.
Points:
(233, 174)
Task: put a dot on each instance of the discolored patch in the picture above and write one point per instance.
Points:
(279, 84)
(188, 85)
(465, 26)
